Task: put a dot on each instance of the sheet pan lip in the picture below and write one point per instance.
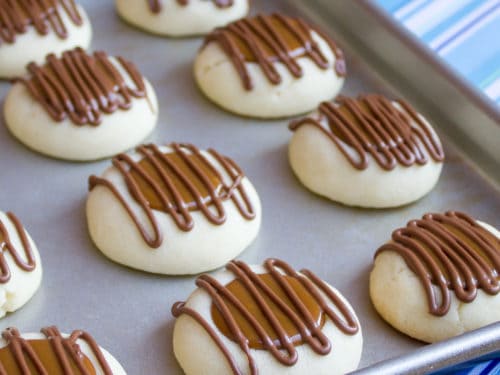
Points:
(438, 356)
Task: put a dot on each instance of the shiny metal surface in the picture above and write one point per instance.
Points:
(129, 311)
(441, 355)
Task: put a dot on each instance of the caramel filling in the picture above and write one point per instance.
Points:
(376, 124)
(243, 294)
(365, 122)
(353, 120)
(190, 177)
(474, 248)
(45, 353)
(449, 252)
(284, 30)
(84, 87)
(372, 125)
(179, 182)
(269, 39)
(275, 311)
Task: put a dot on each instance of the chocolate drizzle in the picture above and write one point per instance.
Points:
(176, 183)
(270, 39)
(281, 304)
(83, 87)
(156, 5)
(16, 16)
(54, 355)
(373, 125)
(449, 252)
(6, 246)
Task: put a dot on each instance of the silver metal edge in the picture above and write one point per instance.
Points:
(465, 116)
(439, 356)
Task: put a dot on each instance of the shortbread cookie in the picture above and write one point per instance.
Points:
(181, 17)
(54, 353)
(173, 210)
(20, 266)
(269, 66)
(438, 277)
(368, 152)
(267, 319)
(31, 29)
(81, 106)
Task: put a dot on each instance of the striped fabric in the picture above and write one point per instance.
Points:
(465, 33)
(479, 367)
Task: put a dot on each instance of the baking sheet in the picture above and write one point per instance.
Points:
(129, 311)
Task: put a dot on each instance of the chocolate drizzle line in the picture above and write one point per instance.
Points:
(156, 5)
(24, 354)
(267, 39)
(6, 245)
(449, 252)
(44, 15)
(372, 125)
(284, 351)
(168, 179)
(83, 87)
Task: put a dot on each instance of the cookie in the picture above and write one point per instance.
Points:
(32, 29)
(368, 151)
(267, 319)
(172, 210)
(438, 277)
(269, 66)
(81, 106)
(54, 353)
(20, 265)
(181, 17)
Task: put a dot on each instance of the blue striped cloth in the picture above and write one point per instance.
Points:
(464, 33)
(488, 365)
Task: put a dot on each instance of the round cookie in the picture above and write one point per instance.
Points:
(81, 106)
(172, 210)
(33, 29)
(230, 316)
(438, 277)
(20, 265)
(181, 17)
(367, 152)
(269, 66)
(50, 351)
